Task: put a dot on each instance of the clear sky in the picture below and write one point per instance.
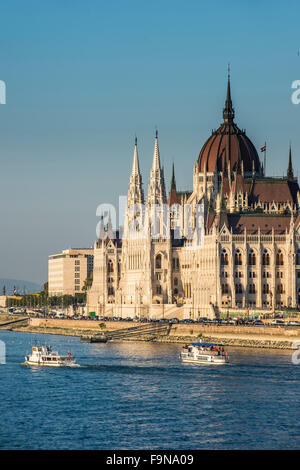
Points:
(83, 77)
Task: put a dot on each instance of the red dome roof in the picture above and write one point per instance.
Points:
(228, 144)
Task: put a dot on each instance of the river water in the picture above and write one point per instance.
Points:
(137, 395)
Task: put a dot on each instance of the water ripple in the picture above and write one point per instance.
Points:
(139, 396)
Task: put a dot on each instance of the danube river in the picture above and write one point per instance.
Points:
(136, 395)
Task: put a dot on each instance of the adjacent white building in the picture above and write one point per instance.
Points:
(68, 270)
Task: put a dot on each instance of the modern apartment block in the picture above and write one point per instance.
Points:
(68, 270)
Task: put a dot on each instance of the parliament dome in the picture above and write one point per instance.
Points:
(228, 146)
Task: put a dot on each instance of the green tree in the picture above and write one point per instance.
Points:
(88, 282)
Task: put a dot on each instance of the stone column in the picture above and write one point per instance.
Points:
(273, 272)
(259, 302)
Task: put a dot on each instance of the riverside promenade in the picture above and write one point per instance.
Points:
(243, 336)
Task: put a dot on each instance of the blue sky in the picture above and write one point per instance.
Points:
(83, 77)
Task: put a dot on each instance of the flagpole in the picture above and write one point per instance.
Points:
(265, 158)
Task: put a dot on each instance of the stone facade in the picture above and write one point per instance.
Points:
(231, 243)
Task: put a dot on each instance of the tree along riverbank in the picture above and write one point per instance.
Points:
(242, 336)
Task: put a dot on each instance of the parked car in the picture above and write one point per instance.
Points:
(258, 323)
(163, 320)
(277, 322)
(173, 320)
(144, 320)
(292, 323)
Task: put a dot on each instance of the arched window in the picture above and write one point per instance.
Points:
(175, 264)
(175, 291)
(175, 281)
(252, 289)
(158, 262)
(266, 258)
(252, 258)
(266, 289)
(238, 258)
(111, 291)
(280, 289)
(224, 288)
(238, 289)
(224, 258)
(279, 258)
(110, 266)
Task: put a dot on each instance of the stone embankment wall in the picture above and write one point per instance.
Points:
(263, 337)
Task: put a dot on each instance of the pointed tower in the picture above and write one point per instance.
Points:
(135, 192)
(228, 111)
(101, 233)
(173, 194)
(290, 172)
(225, 184)
(156, 188)
(109, 232)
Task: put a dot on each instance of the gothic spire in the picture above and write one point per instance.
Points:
(173, 181)
(135, 192)
(135, 164)
(172, 194)
(156, 158)
(239, 163)
(225, 168)
(290, 172)
(228, 111)
(156, 189)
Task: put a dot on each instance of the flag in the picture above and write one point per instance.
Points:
(263, 149)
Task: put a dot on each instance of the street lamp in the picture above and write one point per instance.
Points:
(271, 300)
(121, 302)
(193, 307)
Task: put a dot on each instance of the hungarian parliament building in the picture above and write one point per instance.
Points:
(230, 244)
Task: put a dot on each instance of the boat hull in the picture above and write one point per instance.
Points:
(44, 364)
(214, 361)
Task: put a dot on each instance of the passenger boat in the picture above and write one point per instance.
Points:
(44, 356)
(204, 353)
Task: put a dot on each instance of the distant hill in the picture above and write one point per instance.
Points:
(29, 287)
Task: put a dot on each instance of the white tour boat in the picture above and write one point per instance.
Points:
(44, 356)
(204, 353)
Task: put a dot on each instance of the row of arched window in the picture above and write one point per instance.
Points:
(252, 289)
(238, 258)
